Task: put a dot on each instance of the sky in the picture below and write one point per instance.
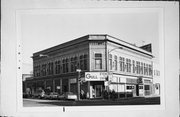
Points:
(41, 31)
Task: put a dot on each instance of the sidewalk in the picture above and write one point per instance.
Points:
(95, 102)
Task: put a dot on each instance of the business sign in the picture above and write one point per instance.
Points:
(131, 81)
(95, 76)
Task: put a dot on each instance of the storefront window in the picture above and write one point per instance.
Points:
(98, 61)
(129, 87)
(147, 87)
(140, 87)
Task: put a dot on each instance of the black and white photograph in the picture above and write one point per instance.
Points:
(91, 58)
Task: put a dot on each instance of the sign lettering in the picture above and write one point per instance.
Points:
(95, 76)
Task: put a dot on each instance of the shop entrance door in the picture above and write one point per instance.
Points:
(137, 90)
(98, 91)
(147, 89)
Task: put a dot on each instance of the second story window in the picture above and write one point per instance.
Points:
(138, 67)
(57, 67)
(122, 64)
(37, 70)
(150, 70)
(128, 65)
(115, 62)
(147, 69)
(110, 61)
(67, 65)
(134, 67)
(98, 61)
(81, 62)
(72, 64)
(51, 68)
(64, 66)
(76, 63)
(44, 69)
(141, 71)
(85, 62)
(144, 69)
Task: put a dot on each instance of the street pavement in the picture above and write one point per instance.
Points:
(93, 102)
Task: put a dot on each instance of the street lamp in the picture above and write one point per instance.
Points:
(78, 84)
(108, 70)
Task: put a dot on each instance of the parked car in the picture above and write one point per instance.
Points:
(47, 96)
(25, 95)
(39, 94)
(51, 95)
(61, 97)
(70, 96)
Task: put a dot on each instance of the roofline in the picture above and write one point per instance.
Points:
(136, 48)
(104, 37)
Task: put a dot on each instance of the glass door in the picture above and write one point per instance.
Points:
(98, 91)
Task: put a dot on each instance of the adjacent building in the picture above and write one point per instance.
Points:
(106, 63)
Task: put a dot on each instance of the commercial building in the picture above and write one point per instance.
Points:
(105, 63)
(156, 79)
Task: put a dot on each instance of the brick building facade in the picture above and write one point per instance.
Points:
(106, 63)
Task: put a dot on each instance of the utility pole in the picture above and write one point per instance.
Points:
(78, 84)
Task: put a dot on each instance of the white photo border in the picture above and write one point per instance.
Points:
(11, 66)
(19, 13)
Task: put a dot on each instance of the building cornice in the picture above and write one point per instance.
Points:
(94, 37)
